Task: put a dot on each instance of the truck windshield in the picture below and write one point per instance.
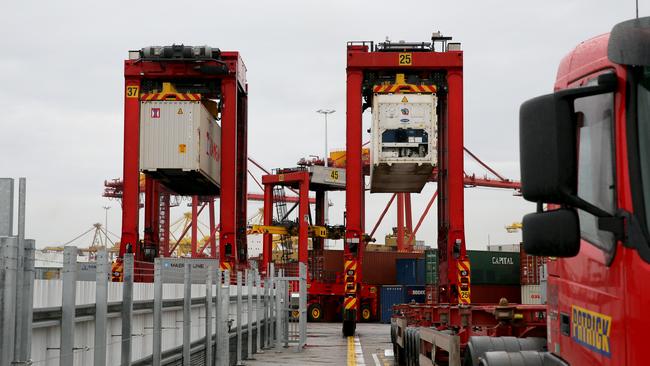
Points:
(643, 105)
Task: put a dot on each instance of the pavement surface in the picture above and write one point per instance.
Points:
(326, 346)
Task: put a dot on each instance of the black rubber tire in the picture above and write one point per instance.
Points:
(319, 312)
(365, 308)
(349, 327)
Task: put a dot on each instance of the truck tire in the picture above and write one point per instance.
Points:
(520, 358)
(366, 313)
(315, 312)
(479, 345)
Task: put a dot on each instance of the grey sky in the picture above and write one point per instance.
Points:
(61, 87)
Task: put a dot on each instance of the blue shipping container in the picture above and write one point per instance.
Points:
(414, 294)
(410, 272)
(389, 296)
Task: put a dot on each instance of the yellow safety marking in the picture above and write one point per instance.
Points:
(182, 148)
(132, 91)
(180, 111)
(405, 59)
(405, 100)
(352, 358)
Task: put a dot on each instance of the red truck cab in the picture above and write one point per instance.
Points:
(585, 161)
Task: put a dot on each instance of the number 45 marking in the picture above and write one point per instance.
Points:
(405, 59)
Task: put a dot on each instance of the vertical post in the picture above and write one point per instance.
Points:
(225, 309)
(19, 336)
(28, 302)
(213, 230)
(267, 239)
(218, 319)
(258, 313)
(249, 318)
(157, 311)
(127, 308)
(6, 207)
(9, 247)
(187, 310)
(239, 310)
(400, 222)
(101, 307)
(279, 312)
(208, 317)
(228, 200)
(68, 306)
(272, 309)
(267, 309)
(303, 217)
(303, 306)
(195, 226)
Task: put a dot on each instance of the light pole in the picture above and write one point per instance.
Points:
(325, 112)
(106, 208)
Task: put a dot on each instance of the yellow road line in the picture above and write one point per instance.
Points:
(352, 359)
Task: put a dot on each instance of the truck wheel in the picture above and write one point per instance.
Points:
(366, 313)
(315, 313)
(349, 326)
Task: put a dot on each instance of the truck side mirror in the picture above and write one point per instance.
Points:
(552, 233)
(547, 149)
(629, 42)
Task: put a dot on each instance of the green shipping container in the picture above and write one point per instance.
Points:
(431, 266)
(494, 268)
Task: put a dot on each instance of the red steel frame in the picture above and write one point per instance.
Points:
(361, 59)
(233, 95)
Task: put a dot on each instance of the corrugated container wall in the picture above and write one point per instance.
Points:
(531, 294)
(503, 247)
(431, 266)
(415, 294)
(410, 271)
(491, 294)
(403, 138)
(494, 268)
(530, 268)
(389, 296)
(378, 268)
(180, 144)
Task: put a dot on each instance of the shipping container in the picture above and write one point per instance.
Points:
(431, 266)
(531, 294)
(180, 144)
(494, 268)
(491, 294)
(403, 138)
(530, 268)
(389, 296)
(410, 271)
(504, 247)
(415, 294)
(378, 268)
(431, 294)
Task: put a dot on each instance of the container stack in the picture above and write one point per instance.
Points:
(494, 275)
(431, 275)
(531, 276)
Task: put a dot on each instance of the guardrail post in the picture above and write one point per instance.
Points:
(239, 325)
(249, 318)
(157, 311)
(68, 306)
(187, 311)
(258, 313)
(267, 320)
(9, 247)
(272, 309)
(208, 317)
(101, 307)
(303, 305)
(127, 308)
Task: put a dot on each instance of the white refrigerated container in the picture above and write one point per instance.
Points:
(180, 144)
(403, 138)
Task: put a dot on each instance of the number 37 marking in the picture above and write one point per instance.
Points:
(405, 59)
(132, 91)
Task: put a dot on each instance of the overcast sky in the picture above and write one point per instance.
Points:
(61, 88)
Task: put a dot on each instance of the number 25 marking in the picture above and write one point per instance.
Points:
(405, 59)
